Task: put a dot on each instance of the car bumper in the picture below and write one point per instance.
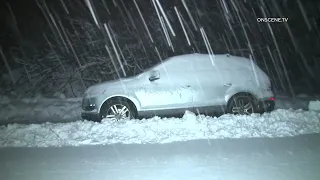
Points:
(90, 116)
(266, 106)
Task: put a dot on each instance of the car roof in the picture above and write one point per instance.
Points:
(189, 57)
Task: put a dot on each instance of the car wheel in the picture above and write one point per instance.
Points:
(242, 105)
(117, 110)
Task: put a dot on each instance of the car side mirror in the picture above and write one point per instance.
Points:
(154, 75)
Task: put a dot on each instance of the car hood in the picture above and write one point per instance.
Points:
(113, 84)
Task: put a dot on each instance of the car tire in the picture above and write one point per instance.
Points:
(241, 105)
(117, 109)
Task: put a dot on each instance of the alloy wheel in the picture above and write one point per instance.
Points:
(243, 106)
(118, 112)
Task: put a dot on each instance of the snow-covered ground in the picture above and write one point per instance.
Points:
(293, 158)
(279, 123)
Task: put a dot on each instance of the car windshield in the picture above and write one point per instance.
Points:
(157, 64)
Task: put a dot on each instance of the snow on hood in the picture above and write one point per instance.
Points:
(279, 123)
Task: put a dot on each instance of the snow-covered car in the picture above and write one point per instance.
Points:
(200, 83)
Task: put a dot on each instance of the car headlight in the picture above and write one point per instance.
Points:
(88, 103)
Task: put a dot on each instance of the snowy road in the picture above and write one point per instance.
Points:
(292, 158)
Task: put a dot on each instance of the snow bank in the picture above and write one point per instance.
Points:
(314, 105)
(279, 123)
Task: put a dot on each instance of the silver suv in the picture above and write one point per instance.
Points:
(200, 83)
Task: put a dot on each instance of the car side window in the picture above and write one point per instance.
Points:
(178, 66)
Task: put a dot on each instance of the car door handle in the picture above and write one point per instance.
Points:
(227, 84)
(187, 86)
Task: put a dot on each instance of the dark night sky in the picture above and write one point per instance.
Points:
(30, 20)
(29, 17)
(30, 23)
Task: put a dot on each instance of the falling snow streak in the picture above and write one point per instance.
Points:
(67, 40)
(157, 51)
(181, 23)
(208, 46)
(304, 61)
(7, 65)
(105, 6)
(278, 51)
(124, 19)
(270, 73)
(164, 29)
(225, 10)
(130, 16)
(115, 3)
(247, 38)
(304, 14)
(166, 33)
(277, 67)
(54, 52)
(242, 26)
(64, 6)
(114, 65)
(210, 52)
(144, 22)
(70, 45)
(165, 17)
(227, 19)
(254, 70)
(316, 26)
(123, 15)
(117, 45)
(190, 33)
(53, 21)
(115, 49)
(112, 61)
(136, 63)
(225, 42)
(230, 43)
(88, 3)
(190, 16)
(47, 19)
(161, 22)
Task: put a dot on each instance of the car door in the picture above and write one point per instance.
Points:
(167, 86)
(212, 86)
